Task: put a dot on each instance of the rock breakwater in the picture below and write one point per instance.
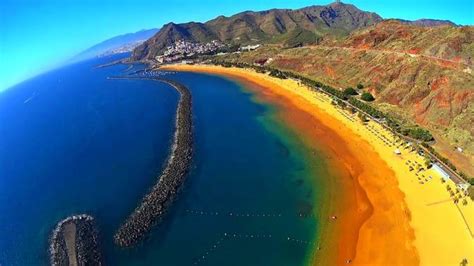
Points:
(154, 205)
(75, 241)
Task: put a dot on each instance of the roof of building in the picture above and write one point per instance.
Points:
(441, 171)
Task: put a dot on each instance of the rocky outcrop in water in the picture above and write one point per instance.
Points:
(155, 203)
(75, 241)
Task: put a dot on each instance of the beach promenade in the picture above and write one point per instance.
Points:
(412, 204)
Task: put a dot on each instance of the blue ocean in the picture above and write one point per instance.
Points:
(73, 141)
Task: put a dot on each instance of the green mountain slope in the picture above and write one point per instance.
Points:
(421, 74)
(289, 27)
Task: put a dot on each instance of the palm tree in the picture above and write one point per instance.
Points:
(428, 162)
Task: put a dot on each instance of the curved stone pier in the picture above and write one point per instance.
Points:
(154, 205)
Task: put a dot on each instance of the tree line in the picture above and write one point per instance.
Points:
(416, 132)
(341, 97)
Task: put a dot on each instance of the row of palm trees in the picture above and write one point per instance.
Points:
(415, 133)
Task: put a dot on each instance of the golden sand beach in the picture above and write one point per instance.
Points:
(397, 212)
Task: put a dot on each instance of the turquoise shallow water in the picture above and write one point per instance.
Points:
(82, 143)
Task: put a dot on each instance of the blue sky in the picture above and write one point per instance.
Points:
(36, 35)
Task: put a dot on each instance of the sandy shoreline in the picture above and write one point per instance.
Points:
(333, 250)
(390, 215)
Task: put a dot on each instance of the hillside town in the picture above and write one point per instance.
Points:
(183, 49)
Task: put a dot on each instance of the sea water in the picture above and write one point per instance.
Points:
(73, 141)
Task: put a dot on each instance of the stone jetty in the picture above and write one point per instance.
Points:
(75, 241)
(154, 205)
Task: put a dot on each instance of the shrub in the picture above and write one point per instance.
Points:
(278, 74)
(350, 91)
(471, 181)
(428, 163)
(470, 191)
(360, 86)
(366, 96)
(418, 133)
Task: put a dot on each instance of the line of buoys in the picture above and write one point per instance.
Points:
(299, 241)
(245, 214)
(253, 236)
(210, 250)
(227, 237)
(231, 214)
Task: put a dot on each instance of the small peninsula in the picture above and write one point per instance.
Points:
(75, 241)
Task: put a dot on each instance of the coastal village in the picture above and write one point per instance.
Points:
(183, 49)
(186, 52)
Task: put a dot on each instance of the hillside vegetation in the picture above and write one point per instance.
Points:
(290, 27)
(420, 74)
(418, 71)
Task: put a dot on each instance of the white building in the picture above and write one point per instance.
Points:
(249, 47)
(441, 171)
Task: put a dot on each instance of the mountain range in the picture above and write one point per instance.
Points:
(290, 27)
(421, 71)
(427, 22)
(121, 43)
